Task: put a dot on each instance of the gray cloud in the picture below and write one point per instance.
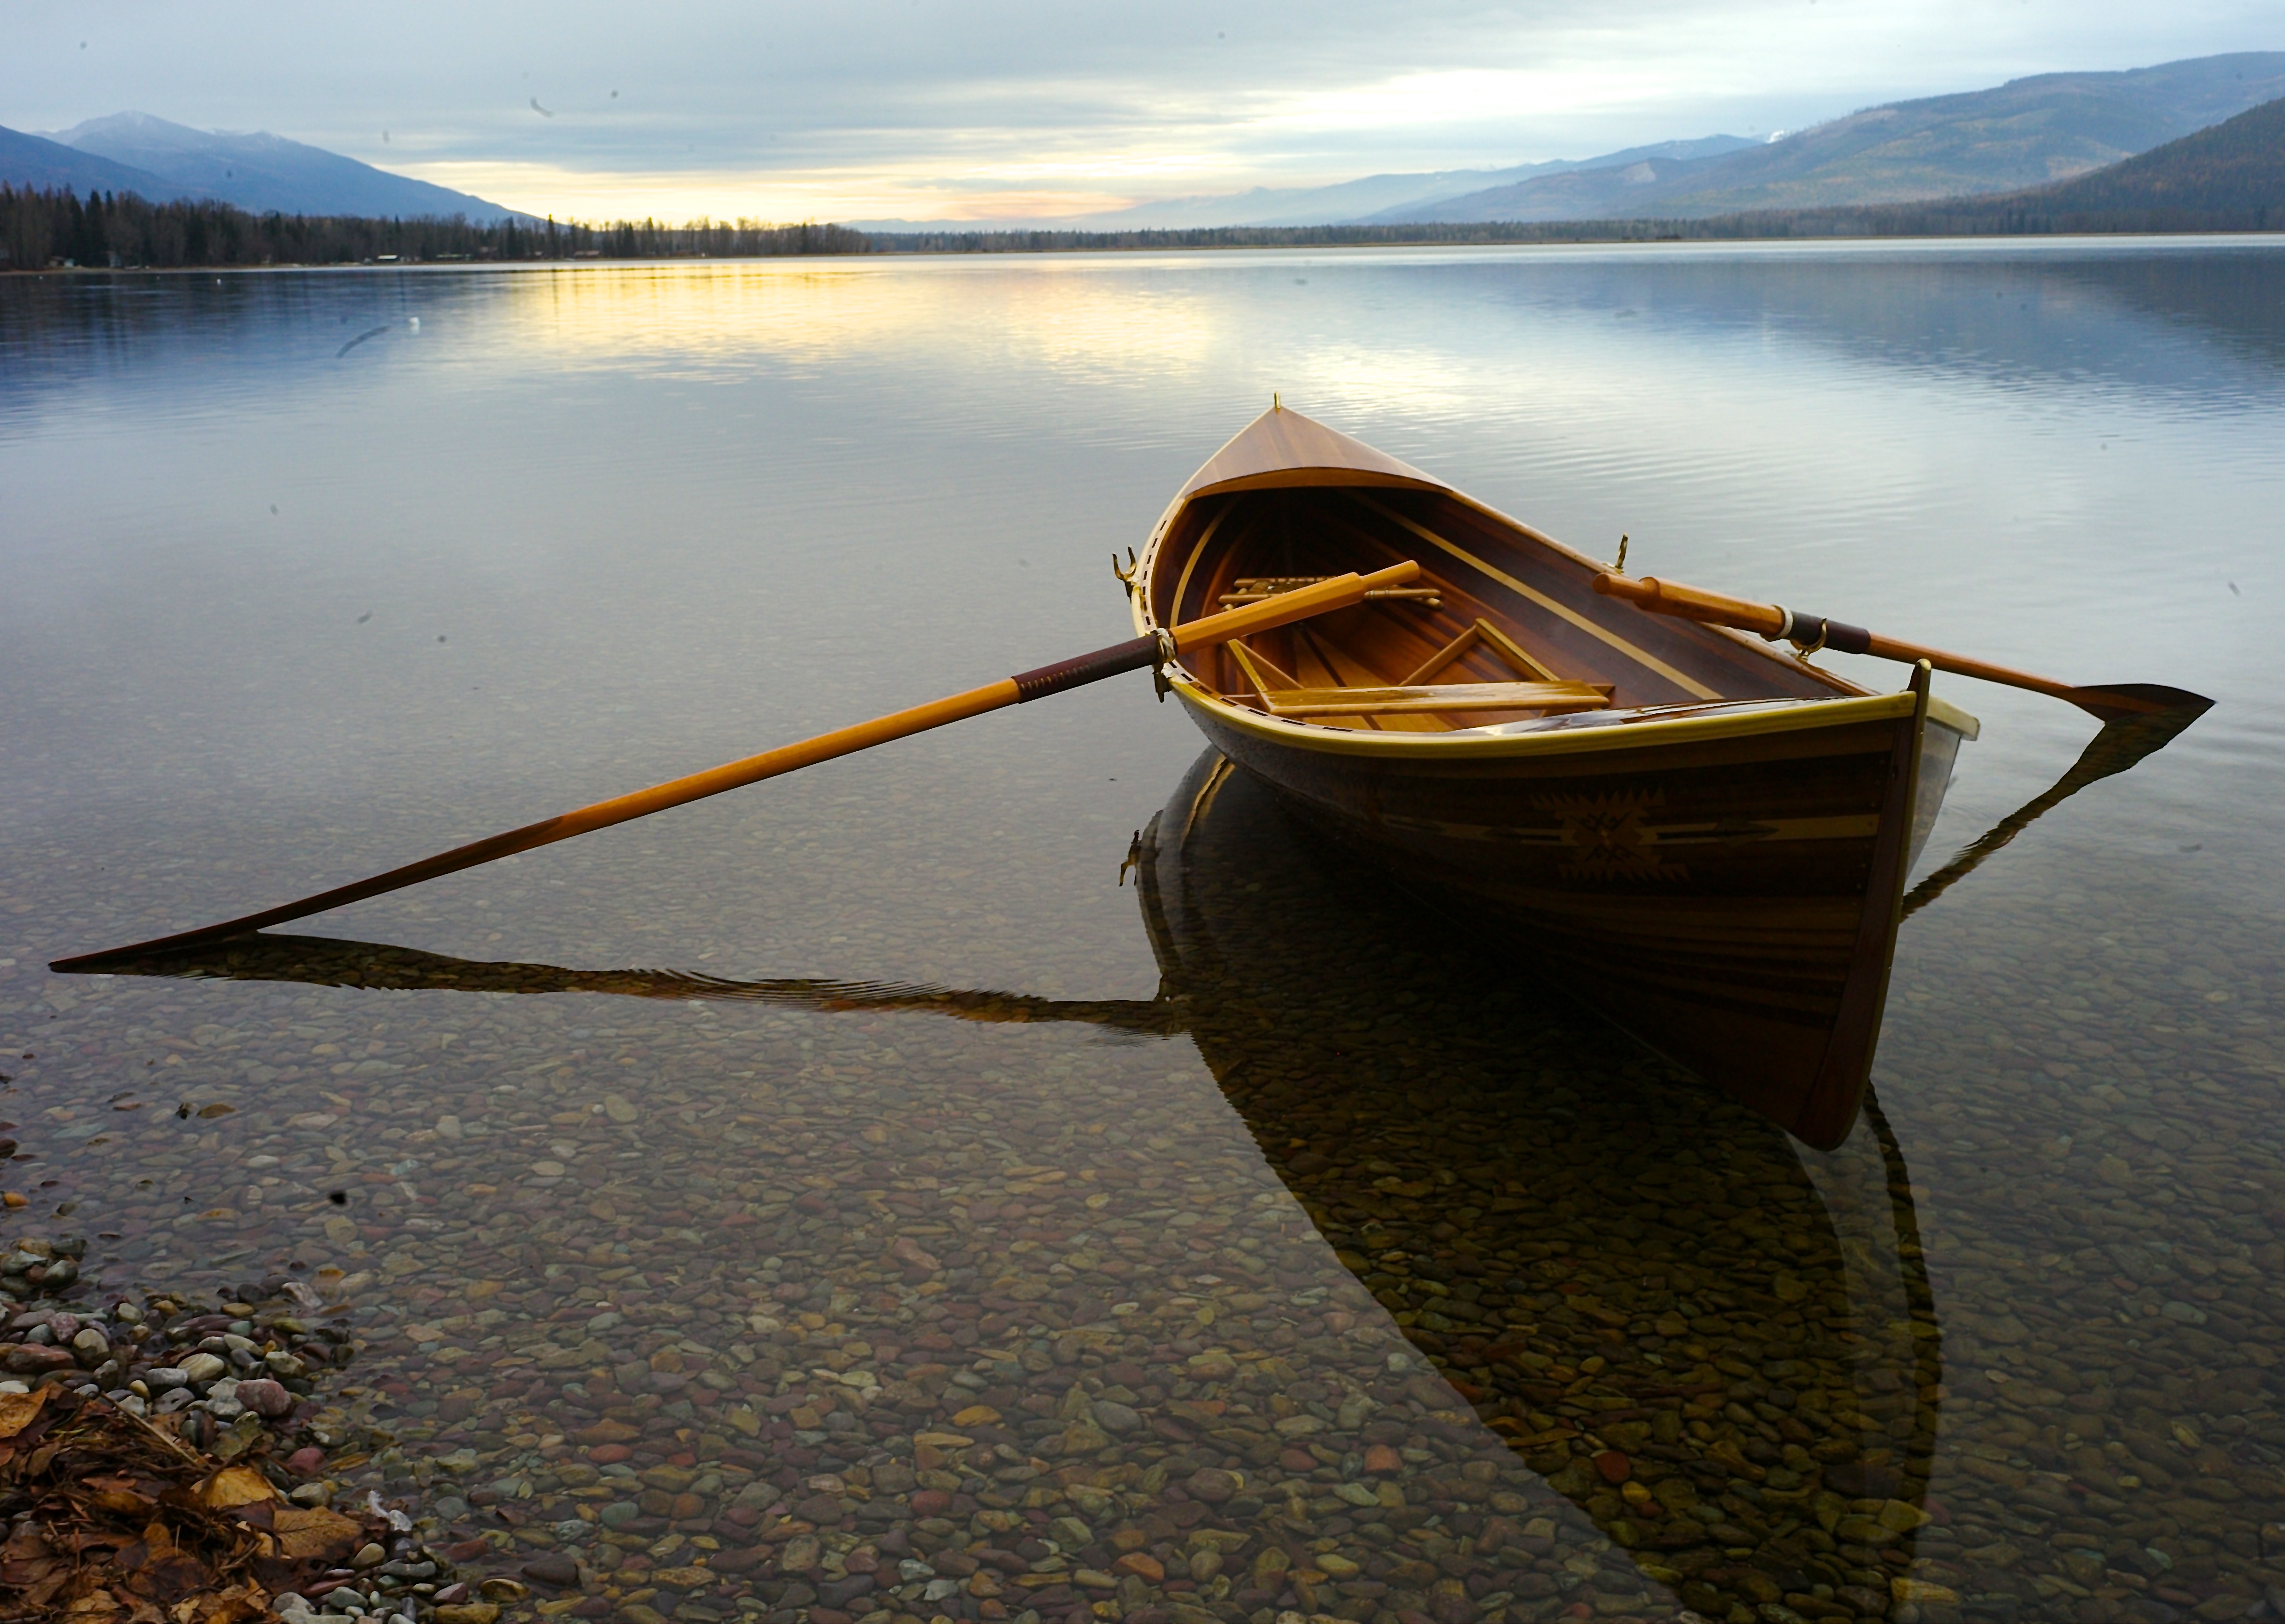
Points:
(1151, 100)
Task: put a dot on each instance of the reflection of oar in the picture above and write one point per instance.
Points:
(1129, 657)
(1812, 633)
(324, 962)
(2122, 742)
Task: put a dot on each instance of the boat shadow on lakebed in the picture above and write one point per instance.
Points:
(1718, 1343)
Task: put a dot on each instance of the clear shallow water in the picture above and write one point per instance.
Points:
(662, 517)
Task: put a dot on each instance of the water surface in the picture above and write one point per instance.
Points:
(1218, 1215)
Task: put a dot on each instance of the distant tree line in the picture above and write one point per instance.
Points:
(1269, 237)
(1938, 218)
(41, 228)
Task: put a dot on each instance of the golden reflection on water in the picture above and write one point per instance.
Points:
(1051, 314)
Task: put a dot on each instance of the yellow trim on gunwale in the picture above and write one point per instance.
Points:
(1426, 747)
(1944, 713)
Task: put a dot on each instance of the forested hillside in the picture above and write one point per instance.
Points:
(40, 227)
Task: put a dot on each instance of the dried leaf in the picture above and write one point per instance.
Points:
(96, 1608)
(167, 1578)
(18, 1410)
(314, 1532)
(234, 1486)
(123, 1502)
(40, 1592)
(241, 1601)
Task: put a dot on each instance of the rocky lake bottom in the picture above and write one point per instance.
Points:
(1418, 1300)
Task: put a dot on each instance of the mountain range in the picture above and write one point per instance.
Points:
(1372, 197)
(134, 152)
(2027, 132)
(2229, 176)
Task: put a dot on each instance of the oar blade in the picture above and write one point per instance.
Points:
(2114, 702)
(2127, 738)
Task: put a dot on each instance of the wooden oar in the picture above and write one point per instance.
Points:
(1812, 633)
(1140, 653)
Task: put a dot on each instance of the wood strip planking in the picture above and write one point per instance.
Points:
(1641, 656)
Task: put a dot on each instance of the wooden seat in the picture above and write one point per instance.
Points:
(1486, 635)
(1413, 701)
(1544, 696)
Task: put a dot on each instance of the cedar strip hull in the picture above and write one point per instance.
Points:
(1733, 905)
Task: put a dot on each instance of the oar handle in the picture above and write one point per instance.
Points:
(1812, 633)
(1336, 592)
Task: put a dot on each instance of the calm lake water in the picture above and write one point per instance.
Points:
(1013, 1174)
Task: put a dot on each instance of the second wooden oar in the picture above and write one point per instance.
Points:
(1137, 654)
(1809, 634)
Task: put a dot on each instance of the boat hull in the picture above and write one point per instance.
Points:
(1706, 839)
(1728, 894)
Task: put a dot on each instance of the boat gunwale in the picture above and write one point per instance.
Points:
(1798, 717)
(1850, 703)
(1339, 478)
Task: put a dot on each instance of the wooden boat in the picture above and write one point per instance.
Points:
(1704, 837)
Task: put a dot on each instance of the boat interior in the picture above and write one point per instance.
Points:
(1502, 629)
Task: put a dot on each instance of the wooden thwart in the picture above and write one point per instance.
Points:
(1483, 634)
(1548, 696)
(1541, 690)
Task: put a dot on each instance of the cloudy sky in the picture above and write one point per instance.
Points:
(928, 109)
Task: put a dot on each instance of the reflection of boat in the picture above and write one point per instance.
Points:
(1715, 1342)
(1705, 838)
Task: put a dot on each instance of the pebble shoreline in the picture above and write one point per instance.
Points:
(238, 1383)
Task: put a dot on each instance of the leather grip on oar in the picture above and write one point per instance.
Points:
(1814, 632)
(1337, 591)
(1063, 675)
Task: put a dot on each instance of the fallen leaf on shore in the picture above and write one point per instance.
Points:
(18, 1410)
(313, 1532)
(234, 1486)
